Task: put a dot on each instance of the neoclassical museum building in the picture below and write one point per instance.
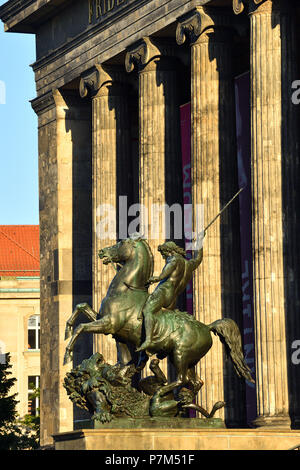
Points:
(172, 102)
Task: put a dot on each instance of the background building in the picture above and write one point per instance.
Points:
(20, 309)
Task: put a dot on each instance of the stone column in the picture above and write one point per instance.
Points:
(268, 159)
(159, 145)
(63, 124)
(217, 282)
(111, 148)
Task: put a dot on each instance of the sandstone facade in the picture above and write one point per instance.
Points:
(139, 61)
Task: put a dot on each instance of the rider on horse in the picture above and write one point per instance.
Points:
(173, 280)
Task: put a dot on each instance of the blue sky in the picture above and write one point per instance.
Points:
(18, 130)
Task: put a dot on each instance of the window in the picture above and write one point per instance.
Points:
(33, 395)
(34, 332)
(2, 352)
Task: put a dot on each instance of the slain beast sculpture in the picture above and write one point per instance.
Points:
(106, 391)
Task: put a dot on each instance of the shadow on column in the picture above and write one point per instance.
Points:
(78, 122)
(291, 213)
(231, 278)
(169, 77)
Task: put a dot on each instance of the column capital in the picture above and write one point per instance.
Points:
(141, 53)
(197, 24)
(255, 6)
(238, 6)
(98, 79)
(92, 80)
(44, 102)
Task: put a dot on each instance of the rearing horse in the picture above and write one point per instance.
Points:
(176, 334)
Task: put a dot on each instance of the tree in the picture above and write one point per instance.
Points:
(15, 434)
(8, 404)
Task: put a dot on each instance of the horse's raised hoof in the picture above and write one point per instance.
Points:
(68, 356)
(143, 347)
(81, 306)
(68, 331)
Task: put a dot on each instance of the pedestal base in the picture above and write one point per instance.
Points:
(176, 439)
(153, 423)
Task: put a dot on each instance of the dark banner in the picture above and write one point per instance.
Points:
(242, 97)
(185, 122)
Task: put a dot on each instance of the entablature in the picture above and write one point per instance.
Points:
(74, 35)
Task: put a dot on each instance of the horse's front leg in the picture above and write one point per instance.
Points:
(181, 366)
(80, 308)
(103, 326)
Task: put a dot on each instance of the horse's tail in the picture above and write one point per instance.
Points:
(229, 334)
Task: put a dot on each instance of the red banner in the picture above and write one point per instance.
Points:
(185, 122)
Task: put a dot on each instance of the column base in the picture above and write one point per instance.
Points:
(282, 422)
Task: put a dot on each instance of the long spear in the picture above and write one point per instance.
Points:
(222, 210)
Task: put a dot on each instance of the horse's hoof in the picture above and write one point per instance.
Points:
(81, 306)
(68, 357)
(144, 346)
(68, 331)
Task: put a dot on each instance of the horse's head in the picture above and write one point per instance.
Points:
(118, 253)
(134, 249)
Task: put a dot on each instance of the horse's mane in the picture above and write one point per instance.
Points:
(147, 246)
(139, 238)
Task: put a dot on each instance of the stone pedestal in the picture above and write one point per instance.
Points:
(176, 439)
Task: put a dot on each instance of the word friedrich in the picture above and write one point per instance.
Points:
(98, 8)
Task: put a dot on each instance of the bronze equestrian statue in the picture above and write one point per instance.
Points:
(175, 334)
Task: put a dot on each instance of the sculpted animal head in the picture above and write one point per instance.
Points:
(115, 253)
(134, 249)
(120, 252)
(103, 389)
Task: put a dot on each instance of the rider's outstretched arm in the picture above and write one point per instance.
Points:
(195, 262)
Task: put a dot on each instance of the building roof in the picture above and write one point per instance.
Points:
(19, 250)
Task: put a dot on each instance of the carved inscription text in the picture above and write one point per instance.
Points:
(99, 8)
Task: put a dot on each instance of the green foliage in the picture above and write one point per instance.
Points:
(31, 421)
(17, 437)
(15, 434)
(7, 402)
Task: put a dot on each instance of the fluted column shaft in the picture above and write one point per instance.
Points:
(152, 154)
(110, 137)
(217, 282)
(267, 213)
(159, 145)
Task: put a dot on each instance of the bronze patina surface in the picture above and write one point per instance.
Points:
(106, 390)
